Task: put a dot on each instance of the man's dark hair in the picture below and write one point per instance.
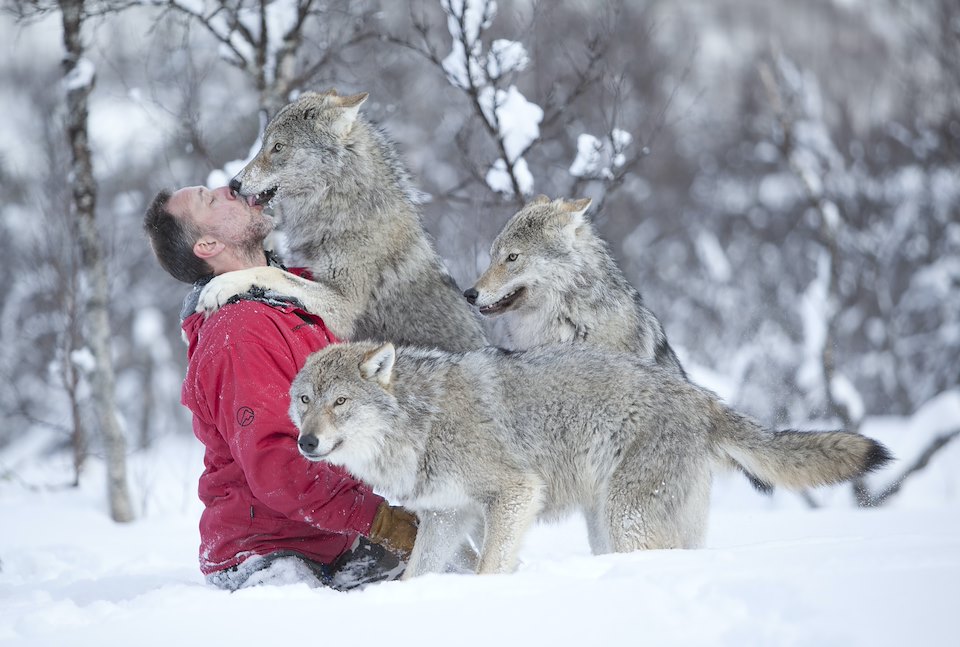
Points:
(172, 240)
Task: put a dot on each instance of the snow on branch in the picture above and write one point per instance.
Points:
(81, 76)
(246, 33)
(598, 159)
(510, 118)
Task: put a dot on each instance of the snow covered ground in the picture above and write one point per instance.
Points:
(774, 572)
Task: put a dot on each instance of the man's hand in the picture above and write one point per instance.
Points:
(395, 529)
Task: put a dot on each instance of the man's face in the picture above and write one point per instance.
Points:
(222, 214)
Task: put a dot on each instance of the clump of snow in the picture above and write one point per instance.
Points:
(597, 158)
(466, 20)
(517, 118)
(506, 57)
(81, 76)
(588, 159)
(514, 118)
(84, 360)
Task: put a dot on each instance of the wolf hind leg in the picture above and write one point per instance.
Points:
(508, 516)
(440, 534)
(598, 530)
(650, 507)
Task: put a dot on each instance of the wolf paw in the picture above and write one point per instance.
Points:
(221, 289)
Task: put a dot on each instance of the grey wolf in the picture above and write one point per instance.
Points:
(349, 217)
(507, 437)
(554, 280)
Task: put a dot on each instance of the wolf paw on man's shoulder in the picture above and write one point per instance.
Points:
(228, 285)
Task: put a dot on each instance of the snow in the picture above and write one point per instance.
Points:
(499, 180)
(588, 158)
(518, 118)
(815, 309)
(595, 156)
(126, 132)
(83, 359)
(518, 122)
(80, 76)
(515, 120)
(506, 56)
(713, 257)
(772, 571)
(477, 16)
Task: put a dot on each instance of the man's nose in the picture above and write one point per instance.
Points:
(471, 294)
(225, 193)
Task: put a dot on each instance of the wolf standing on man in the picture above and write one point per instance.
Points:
(349, 217)
(268, 515)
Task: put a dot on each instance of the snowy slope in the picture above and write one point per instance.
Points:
(774, 572)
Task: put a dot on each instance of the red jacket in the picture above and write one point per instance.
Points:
(260, 494)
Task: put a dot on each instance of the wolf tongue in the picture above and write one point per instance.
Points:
(252, 200)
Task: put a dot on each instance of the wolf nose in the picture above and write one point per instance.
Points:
(471, 294)
(308, 444)
(235, 185)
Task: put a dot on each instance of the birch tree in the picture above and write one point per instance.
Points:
(273, 41)
(79, 76)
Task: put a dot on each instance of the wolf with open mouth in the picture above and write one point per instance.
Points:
(348, 215)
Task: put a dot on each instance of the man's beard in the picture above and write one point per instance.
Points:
(257, 229)
(252, 245)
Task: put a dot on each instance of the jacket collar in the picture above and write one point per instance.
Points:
(256, 294)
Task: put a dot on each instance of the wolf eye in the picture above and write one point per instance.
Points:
(277, 147)
(512, 257)
(305, 399)
(339, 401)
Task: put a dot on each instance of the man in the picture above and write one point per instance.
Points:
(270, 515)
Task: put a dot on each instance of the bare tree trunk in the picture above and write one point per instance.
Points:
(79, 83)
(149, 403)
(71, 382)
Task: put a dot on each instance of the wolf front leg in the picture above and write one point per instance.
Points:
(440, 534)
(508, 515)
(316, 298)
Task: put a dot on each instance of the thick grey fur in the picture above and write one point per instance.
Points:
(573, 289)
(348, 216)
(507, 437)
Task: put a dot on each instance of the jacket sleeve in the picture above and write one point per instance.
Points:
(246, 388)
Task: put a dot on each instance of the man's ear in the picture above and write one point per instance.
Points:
(206, 248)
(378, 364)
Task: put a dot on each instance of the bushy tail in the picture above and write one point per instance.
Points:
(795, 459)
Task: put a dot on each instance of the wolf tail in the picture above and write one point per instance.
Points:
(795, 459)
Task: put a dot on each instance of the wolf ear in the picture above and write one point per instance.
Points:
(311, 102)
(576, 208)
(572, 215)
(349, 108)
(378, 364)
(541, 199)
